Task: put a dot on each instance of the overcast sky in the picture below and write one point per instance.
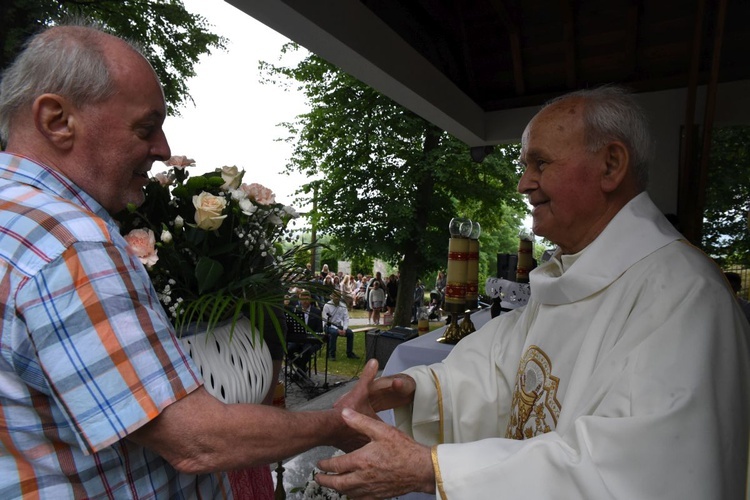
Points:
(234, 119)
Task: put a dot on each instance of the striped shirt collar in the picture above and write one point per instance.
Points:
(18, 168)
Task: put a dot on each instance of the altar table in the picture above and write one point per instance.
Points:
(425, 349)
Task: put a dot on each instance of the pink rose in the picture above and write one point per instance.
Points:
(259, 193)
(163, 179)
(143, 244)
(180, 162)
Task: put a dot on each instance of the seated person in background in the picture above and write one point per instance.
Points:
(347, 291)
(336, 324)
(735, 280)
(625, 376)
(301, 344)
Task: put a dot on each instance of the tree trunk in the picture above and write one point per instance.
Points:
(406, 284)
(412, 260)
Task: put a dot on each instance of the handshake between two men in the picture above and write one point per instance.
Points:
(384, 462)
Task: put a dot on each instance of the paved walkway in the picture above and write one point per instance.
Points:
(298, 470)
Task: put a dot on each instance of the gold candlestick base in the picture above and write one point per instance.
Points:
(467, 326)
(452, 333)
(456, 332)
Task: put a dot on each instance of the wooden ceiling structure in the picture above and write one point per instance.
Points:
(479, 68)
(514, 53)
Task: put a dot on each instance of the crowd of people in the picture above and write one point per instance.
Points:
(356, 291)
(377, 295)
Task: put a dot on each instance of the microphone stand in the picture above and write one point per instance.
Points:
(327, 341)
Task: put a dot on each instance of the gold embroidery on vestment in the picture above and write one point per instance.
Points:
(436, 468)
(535, 394)
(441, 422)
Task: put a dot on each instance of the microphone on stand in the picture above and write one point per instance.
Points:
(325, 378)
(328, 323)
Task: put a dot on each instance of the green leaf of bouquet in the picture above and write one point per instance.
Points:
(180, 192)
(223, 249)
(208, 273)
(215, 180)
(195, 235)
(195, 184)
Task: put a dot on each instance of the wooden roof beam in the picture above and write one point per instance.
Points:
(569, 41)
(463, 34)
(631, 45)
(710, 114)
(512, 25)
(686, 187)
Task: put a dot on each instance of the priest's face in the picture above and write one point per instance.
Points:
(561, 178)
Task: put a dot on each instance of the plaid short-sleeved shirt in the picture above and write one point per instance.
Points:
(87, 355)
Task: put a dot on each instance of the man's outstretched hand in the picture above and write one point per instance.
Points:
(357, 399)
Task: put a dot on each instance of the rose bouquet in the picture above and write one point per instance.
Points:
(213, 246)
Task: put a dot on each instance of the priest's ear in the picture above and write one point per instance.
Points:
(617, 166)
(54, 120)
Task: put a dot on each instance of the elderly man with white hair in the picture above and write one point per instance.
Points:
(626, 375)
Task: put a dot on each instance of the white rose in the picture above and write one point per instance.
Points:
(291, 211)
(208, 211)
(238, 194)
(179, 222)
(247, 206)
(166, 236)
(232, 177)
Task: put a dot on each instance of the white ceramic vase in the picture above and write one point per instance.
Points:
(236, 370)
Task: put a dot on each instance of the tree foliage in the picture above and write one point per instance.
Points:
(387, 181)
(726, 235)
(172, 37)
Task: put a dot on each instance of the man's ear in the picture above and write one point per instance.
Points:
(617, 162)
(54, 120)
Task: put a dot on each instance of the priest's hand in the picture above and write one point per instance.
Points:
(357, 399)
(392, 392)
(391, 464)
(385, 393)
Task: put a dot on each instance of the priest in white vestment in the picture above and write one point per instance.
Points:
(626, 375)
